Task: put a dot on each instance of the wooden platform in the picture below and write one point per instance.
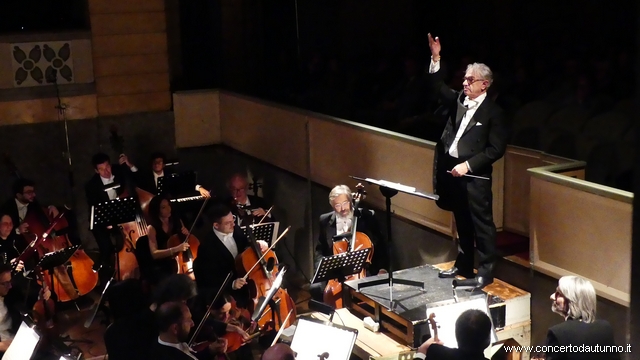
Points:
(405, 319)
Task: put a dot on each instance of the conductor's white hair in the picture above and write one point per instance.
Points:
(339, 190)
(581, 296)
(482, 71)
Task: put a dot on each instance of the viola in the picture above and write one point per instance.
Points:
(333, 291)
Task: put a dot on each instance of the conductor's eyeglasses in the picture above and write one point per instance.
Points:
(470, 79)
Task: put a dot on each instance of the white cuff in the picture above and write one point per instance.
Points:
(198, 187)
(434, 66)
(468, 166)
(133, 168)
(419, 355)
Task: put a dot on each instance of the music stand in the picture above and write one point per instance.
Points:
(341, 265)
(268, 300)
(312, 339)
(265, 231)
(389, 190)
(112, 213)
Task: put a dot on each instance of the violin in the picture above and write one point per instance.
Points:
(359, 240)
(434, 326)
(184, 260)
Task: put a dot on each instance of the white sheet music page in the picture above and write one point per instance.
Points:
(23, 344)
(312, 339)
(447, 315)
(397, 186)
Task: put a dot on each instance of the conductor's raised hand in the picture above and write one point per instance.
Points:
(434, 45)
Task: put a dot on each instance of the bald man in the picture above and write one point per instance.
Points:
(279, 352)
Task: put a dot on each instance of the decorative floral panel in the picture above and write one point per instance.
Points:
(42, 63)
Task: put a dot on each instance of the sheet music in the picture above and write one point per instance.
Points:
(312, 338)
(447, 315)
(23, 344)
(392, 185)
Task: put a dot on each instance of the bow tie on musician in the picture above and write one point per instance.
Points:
(248, 209)
(340, 221)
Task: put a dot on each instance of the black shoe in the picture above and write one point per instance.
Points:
(451, 273)
(482, 281)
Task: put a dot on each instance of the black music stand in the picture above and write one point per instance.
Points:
(112, 213)
(265, 231)
(268, 300)
(50, 261)
(389, 190)
(341, 265)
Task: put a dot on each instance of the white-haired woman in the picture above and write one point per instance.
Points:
(575, 300)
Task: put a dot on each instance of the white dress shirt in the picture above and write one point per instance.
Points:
(111, 192)
(156, 176)
(343, 224)
(22, 209)
(228, 241)
(472, 106)
(180, 346)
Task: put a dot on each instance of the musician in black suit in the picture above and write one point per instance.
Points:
(25, 202)
(246, 206)
(217, 253)
(105, 174)
(148, 180)
(473, 335)
(575, 300)
(339, 222)
(174, 324)
(475, 136)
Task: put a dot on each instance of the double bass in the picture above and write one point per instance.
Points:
(359, 240)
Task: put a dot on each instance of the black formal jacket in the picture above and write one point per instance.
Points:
(214, 262)
(367, 224)
(163, 352)
(11, 208)
(256, 202)
(94, 188)
(576, 333)
(483, 142)
(441, 352)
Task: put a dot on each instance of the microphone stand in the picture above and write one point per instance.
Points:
(61, 110)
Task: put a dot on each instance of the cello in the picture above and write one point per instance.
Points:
(77, 277)
(260, 282)
(359, 240)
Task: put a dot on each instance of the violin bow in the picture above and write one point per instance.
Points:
(193, 225)
(265, 216)
(275, 340)
(206, 315)
(265, 253)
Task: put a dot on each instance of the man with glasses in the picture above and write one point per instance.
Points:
(340, 221)
(25, 202)
(246, 206)
(474, 137)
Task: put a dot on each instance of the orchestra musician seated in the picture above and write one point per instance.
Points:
(246, 206)
(25, 203)
(174, 325)
(148, 180)
(223, 312)
(130, 336)
(217, 253)
(106, 173)
(338, 222)
(163, 224)
(11, 304)
(473, 334)
(11, 244)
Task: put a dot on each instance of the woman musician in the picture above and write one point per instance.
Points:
(162, 226)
